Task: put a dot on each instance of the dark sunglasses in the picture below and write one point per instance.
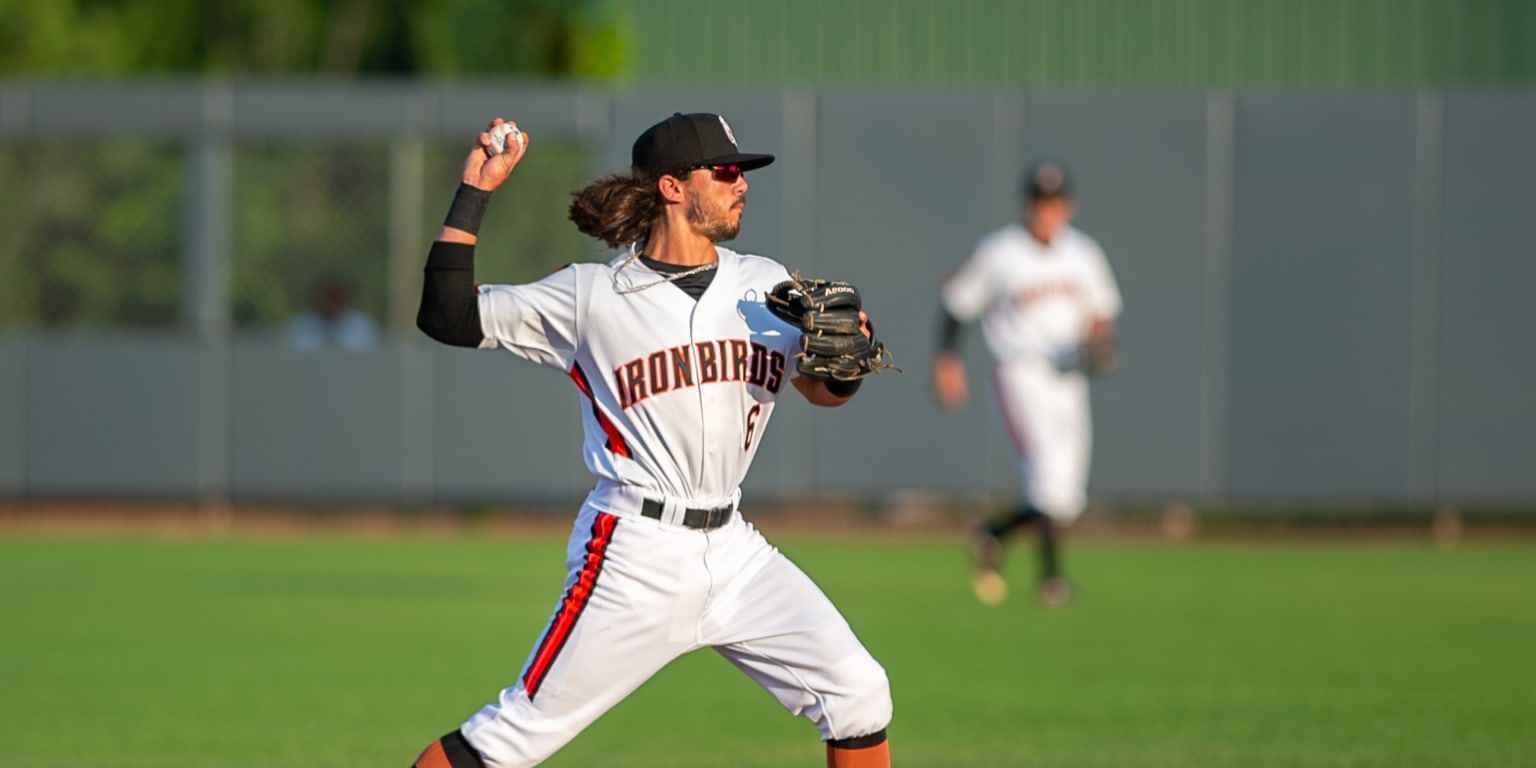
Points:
(725, 174)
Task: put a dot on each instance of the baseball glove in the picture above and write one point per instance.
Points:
(832, 343)
(1099, 355)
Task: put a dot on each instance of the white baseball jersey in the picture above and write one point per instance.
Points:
(678, 392)
(1036, 300)
(673, 383)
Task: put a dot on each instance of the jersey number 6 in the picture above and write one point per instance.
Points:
(752, 414)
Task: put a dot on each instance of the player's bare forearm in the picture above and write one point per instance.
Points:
(454, 235)
(816, 391)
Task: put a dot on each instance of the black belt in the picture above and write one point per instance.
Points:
(702, 519)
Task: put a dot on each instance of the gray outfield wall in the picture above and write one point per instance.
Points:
(1324, 298)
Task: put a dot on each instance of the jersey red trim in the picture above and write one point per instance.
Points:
(571, 606)
(616, 442)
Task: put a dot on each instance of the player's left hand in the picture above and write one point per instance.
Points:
(497, 151)
(949, 384)
(1100, 350)
(1099, 355)
(837, 340)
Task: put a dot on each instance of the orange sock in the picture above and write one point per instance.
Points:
(878, 756)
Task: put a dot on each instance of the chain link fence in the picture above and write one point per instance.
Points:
(309, 232)
(93, 235)
(90, 234)
(212, 212)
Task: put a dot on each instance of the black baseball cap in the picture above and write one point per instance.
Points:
(1047, 178)
(684, 141)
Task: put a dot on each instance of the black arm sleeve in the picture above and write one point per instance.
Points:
(450, 306)
(949, 331)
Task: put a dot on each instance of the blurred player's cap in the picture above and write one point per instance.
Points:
(1047, 178)
(690, 141)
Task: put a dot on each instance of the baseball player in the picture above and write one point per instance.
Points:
(678, 364)
(1048, 303)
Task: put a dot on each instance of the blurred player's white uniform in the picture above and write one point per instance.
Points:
(1036, 302)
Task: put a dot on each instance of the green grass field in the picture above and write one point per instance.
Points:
(330, 652)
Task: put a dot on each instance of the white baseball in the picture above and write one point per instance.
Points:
(502, 137)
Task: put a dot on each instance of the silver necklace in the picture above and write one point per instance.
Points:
(634, 255)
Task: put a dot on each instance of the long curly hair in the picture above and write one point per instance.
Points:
(617, 209)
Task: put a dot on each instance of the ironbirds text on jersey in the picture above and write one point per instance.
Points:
(666, 378)
(718, 362)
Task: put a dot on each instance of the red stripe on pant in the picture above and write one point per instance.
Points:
(571, 606)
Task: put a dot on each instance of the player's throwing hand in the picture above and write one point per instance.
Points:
(497, 151)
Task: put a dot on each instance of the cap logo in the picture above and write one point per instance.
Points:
(728, 133)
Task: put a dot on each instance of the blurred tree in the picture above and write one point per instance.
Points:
(88, 237)
(544, 38)
(308, 214)
(476, 38)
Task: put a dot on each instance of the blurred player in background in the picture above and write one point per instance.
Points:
(1048, 302)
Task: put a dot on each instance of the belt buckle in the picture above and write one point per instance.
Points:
(719, 516)
(706, 518)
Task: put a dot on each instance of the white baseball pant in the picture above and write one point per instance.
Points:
(638, 594)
